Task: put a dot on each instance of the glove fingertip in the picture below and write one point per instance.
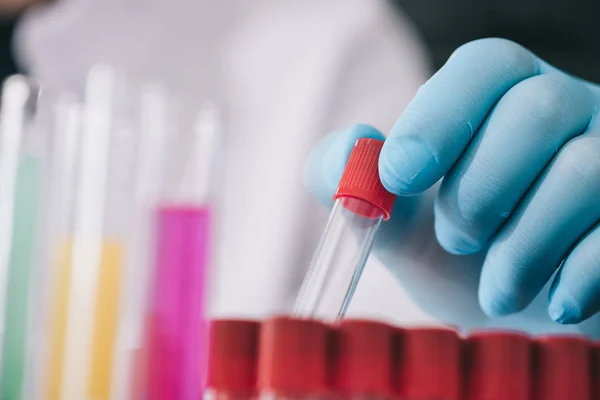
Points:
(565, 309)
(407, 166)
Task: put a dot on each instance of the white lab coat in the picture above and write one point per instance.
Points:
(288, 72)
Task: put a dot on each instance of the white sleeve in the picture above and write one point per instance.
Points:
(299, 72)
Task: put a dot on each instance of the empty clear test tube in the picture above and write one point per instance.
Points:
(361, 204)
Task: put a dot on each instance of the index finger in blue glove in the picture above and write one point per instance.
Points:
(447, 111)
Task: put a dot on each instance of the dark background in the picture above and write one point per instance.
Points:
(7, 64)
(565, 33)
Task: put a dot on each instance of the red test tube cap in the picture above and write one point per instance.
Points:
(429, 364)
(233, 356)
(561, 368)
(361, 181)
(293, 358)
(363, 358)
(497, 366)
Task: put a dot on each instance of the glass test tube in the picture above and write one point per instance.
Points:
(232, 360)
(362, 203)
(147, 177)
(293, 359)
(20, 176)
(497, 366)
(116, 257)
(47, 375)
(83, 252)
(94, 254)
(177, 323)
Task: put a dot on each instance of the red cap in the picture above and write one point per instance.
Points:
(497, 366)
(293, 357)
(561, 368)
(232, 356)
(596, 371)
(360, 180)
(429, 364)
(363, 358)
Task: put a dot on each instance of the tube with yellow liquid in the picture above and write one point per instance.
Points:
(43, 380)
(89, 250)
(104, 324)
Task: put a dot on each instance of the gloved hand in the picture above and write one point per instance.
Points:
(517, 144)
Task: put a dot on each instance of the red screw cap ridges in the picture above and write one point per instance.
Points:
(360, 179)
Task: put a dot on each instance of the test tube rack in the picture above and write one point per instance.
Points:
(300, 358)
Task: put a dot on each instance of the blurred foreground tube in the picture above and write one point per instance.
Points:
(497, 366)
(561, 368)
(429, 365)
(363, 360)
(293, 359)
(232, 360)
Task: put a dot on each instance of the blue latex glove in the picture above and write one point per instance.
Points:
(518, 147)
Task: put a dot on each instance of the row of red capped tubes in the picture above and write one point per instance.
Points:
(292, 358)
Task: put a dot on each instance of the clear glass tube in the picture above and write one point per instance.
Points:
(148, 172)
(339, 259)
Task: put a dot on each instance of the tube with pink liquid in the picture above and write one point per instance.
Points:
(176, 331)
